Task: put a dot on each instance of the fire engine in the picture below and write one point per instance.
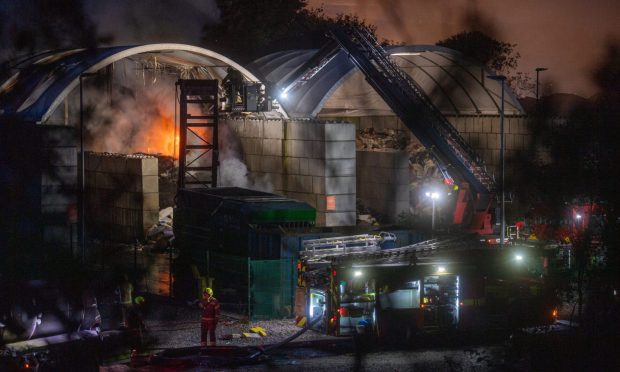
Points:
(438, 285)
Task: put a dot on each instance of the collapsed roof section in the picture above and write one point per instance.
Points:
(455, 85)
(40, 83)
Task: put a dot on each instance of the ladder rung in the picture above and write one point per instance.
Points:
(198, 182)
(200, 125)
(187, 169)
(197, 117)
(200, 101)
(199, 147)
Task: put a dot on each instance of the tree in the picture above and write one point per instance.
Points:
(582, 168)
(495, 54)
(249, 29)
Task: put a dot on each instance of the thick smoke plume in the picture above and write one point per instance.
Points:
(233, 171)
(138, 115)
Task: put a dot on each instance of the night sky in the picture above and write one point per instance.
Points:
(567, 36)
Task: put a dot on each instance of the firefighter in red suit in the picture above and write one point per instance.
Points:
(210, 315)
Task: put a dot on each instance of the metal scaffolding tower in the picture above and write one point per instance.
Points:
(198, 133)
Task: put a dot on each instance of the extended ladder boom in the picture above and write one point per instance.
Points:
(414, 108)
(401, 254)
(345, 244)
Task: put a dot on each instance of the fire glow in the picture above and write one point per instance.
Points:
(160, 137)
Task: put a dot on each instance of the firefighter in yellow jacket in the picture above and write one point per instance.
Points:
(210, 316)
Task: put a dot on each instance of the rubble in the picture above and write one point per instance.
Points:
(369, 139)
(163, 227)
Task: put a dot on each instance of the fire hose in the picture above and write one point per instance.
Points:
(308, 325)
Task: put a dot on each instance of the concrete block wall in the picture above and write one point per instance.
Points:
(305, 160)
(481, 132)
(383, 182)
(122, 194)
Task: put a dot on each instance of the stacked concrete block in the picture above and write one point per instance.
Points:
(383, 182)
(305, 160)
(122, 195)
(483, 134)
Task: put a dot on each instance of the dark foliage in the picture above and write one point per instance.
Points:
(482, 48)
(249, 29)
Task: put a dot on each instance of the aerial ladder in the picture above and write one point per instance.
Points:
(409, 102)
(333, 250)
(346, 244)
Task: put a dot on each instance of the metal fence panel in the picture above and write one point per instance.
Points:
(271, 289)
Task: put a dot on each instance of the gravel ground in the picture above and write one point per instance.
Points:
(172, 326)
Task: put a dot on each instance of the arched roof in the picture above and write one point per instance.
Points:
(41, 83)
(455, 85)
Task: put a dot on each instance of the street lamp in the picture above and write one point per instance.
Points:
(502, 80)
(434, 196)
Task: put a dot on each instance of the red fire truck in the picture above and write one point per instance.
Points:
(437, 285)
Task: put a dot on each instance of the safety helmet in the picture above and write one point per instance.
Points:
(208, 291)
(139, 300)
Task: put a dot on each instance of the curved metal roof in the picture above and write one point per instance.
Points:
(455, 85)
(41, 83)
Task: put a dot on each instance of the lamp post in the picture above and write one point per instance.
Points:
(434, 196)
(538, 71)
(502, 80)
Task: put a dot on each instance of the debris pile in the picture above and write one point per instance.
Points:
(421, 164)
(163, 225)
(364, 214)
(369, 139)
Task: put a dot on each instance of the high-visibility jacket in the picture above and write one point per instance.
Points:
(210, 308)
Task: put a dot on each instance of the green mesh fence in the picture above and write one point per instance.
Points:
(271, 289)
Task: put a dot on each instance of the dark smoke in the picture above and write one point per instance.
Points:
(31, 26)
(147, 21)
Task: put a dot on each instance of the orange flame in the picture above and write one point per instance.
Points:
(160, 136)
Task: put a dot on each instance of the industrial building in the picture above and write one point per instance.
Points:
(122, 100)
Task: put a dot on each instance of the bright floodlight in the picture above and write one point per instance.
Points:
(578, 216)
(432, 195)
(441, 269)
(519, 258)
(284, 95)
(357, 273)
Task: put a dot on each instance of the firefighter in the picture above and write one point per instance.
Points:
(136, 326)
(210, 316)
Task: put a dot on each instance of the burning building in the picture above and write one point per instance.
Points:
(116, 99)
(321, 145)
